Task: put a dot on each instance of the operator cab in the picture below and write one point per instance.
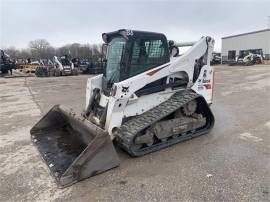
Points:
(130, 53)
(65, 61)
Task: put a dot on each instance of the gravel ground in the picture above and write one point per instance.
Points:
(229, 164)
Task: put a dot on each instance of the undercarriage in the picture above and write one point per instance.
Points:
(166, 124)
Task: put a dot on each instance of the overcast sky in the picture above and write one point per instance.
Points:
(83, 21)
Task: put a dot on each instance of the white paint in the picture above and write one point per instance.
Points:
(178, 67)
(248, 136)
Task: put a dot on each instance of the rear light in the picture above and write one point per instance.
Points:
(208, 86)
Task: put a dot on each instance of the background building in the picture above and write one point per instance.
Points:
(257, 42)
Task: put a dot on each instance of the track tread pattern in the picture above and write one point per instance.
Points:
(130, 129)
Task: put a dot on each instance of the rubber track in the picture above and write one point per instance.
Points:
(130, 129)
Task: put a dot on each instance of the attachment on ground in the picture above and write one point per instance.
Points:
(72, 147)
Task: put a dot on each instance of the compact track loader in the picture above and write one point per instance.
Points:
(148, 98)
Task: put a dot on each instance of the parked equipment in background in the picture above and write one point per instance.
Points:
(95, 67)
(81, 65)
(148, 98)
(30, 67)
(84, 66)
(76, 62)
(89, 67)
(20, 62)
(216, 58)
(64, 66)
(249, 59)
(6, 64)
(61, 66)
(45, 68)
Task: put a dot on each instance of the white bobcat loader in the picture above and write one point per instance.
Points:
(148, 98)
(63, 66)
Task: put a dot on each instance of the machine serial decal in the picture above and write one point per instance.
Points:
(129, 32)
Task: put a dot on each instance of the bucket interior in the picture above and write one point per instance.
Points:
(60, 138)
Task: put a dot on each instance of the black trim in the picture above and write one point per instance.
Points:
(157, 88)
(129, 34)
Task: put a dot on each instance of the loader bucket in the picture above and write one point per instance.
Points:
(72, 147)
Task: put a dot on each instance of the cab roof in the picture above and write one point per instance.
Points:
(129, 34)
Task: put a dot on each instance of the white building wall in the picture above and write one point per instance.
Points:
(257, 40)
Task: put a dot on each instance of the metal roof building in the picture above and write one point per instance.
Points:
(257, 42)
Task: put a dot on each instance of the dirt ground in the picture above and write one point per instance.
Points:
(229, 164)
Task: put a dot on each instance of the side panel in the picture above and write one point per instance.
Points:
(136, 106)
(204, 83)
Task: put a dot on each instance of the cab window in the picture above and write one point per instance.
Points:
(146, 54)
